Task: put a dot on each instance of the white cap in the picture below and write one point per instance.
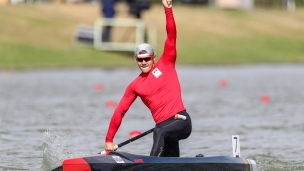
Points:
(146, 47)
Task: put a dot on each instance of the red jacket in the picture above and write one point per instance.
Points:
(159, 89)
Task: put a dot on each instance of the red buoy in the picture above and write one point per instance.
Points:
(98, 87)
(134, 133)
(111, 104)
(223, 83)
(265, 99)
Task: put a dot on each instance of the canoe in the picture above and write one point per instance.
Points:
(116, 161)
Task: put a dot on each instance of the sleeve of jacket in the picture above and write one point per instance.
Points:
(123, 106)
(169, 53)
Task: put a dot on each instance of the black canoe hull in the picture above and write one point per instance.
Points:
(117, 161)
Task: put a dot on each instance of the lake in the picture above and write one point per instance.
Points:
(50, 115)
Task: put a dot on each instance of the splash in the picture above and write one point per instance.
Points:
(53, 150)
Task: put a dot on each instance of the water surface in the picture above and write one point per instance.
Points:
(49, 115)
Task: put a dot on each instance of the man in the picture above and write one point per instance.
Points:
(136, 7)
(108, 10)
(159, 89)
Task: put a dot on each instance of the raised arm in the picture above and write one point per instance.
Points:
(169, 54)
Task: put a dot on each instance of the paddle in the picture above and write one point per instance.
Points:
(176, 116)
(130, 140)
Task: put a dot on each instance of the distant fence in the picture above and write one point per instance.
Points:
(126, 34)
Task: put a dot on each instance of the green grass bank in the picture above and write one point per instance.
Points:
(40, 36)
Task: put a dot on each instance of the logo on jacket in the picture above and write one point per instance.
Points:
(156, 72)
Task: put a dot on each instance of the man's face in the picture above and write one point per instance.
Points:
(145, 63)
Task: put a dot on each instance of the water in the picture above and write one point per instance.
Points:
(49, 115)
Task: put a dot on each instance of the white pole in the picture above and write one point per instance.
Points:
(236, 152)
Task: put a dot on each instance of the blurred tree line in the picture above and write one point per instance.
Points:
(138, 6)
(145, 4)
(275, 3)
(257, 3)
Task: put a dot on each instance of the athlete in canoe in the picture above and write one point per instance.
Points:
(159, 89)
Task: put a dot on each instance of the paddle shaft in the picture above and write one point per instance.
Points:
(177, 116)
(131, 140)
(135, 138)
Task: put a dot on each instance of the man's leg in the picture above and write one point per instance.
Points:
(171, 149)
(106, 34)
(170, 132)
(158, 142)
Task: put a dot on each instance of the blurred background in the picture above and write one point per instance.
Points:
(64, 65)
(37, 34)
